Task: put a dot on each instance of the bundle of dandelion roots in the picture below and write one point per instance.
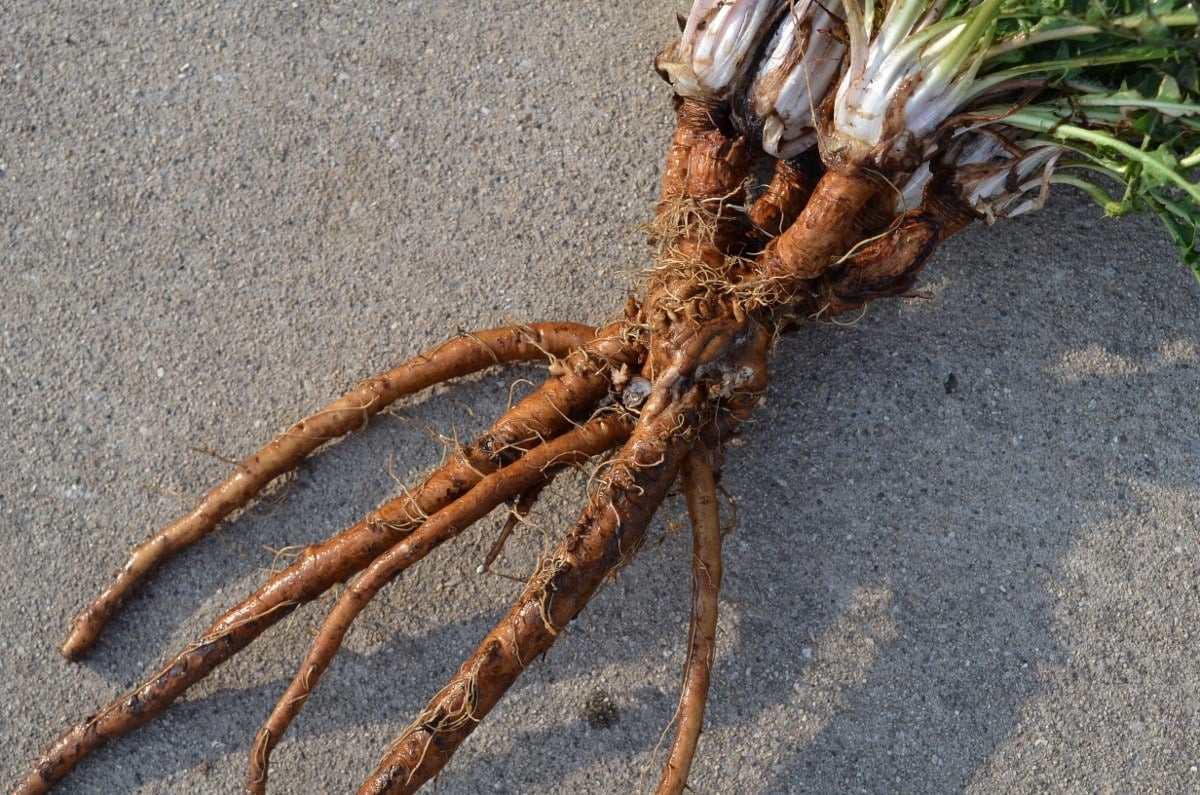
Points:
(883, 128)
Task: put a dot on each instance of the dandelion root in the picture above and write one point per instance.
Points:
(610, 530)
(460, 356)
(700, 490)
(573, 447)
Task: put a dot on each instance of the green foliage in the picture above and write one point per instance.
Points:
(1116, 85)
(1084, 77)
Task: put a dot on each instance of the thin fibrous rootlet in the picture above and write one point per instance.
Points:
(886, 128)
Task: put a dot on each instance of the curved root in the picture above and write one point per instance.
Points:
(700, 491)
(690, 355)
(547, 412)
(457, 357)
(575, 446)
(791, 186)
(612, 527)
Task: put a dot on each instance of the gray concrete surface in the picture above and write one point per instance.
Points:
(967, 557)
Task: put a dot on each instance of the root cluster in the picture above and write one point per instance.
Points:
(657, 391)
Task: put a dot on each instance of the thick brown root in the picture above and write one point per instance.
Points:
(545, 413)
(132, 710)
(886, 267)
(574, 447)
(690, 353)
(700, 491)
(786, 194)
(707, 159)
(820, 234)
(464, 354)
(611, 529)
(706, 173)
(889, 264)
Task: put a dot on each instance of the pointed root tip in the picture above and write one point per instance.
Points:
(81, 638)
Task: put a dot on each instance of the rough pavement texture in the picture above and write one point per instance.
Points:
(967, 555)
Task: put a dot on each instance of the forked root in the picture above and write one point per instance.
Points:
(612, 527)
(573, 447)
(545, 413)
(520, 507)
(700, 491)
(460, 356)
